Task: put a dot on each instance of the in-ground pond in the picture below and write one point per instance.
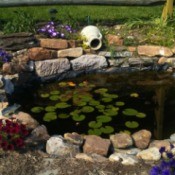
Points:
(104, 104)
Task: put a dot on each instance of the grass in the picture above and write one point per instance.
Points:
(97, 14)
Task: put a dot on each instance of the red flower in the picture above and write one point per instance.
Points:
(19, 142)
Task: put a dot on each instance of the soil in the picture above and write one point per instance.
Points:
(37, 162)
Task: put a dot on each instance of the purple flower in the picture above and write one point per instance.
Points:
(155, 170)
(166, 172)
(162, 149)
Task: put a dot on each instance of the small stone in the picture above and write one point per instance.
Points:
(95, 144)
(84, 156)
(56, 145)
(172, 137)
(53, 43)
(114, 40)
(7, 68)
(160, 143)
(132, 49)
(26, 120)
(142, 138)
(74, 43)
(126, 159)
(154, 51)
(162, 60)
(121, 140)
(74, 138)
(71, 52)
(150, 154)
(39, 53)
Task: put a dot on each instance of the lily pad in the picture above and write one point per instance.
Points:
(50, 108)
(78, 118)
(54, 97)
(103, 118)
(62, 84)
(107, 129)
(134, 95)
(132, 124)
(120, 103)
(63, 116)
(81, 103)
(65, 97)
(94, 103)
(50, 116)
(141, 115)
(100, 107)
(75, 112)
(37, 109)
(87, 109)
(95, 124)
(62, 105)
(94, 132)
(101, 91)
(106, 100)
(110, 112)
(110, 95)
(46, 95)
(130, 112)
(54, 92)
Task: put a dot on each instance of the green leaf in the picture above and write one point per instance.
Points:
(132, 124)
(78, 118)
(54, 97)
(87, 109)
(107, 129)
(103, 118)
(94, 103)
(141, 115)
(130, 112)
(101, 91)
(94, 132)
(120, 103)
(56, 92)
(50, 116)
(50, 108)
(46, 95)
(63, 116)
(106, 100)
(37, 109)
(94, 124)
(62, 105)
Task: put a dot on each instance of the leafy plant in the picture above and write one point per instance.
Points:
(12, 135)
(21, 22)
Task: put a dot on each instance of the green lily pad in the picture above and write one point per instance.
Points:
(75, 112)
(50, 116)
(94, 103)
(63, 116)
(54, 97)
(62, 84)
(110, 112)
(62, 105)
(95, 124)
(103, 118)
(65, 97)
(94, 132)
(141, 115)
(106, 100)
(46, 95)
(134, 94)
(78, 118)
(120, 103)
(56, 92)
(50, 108)
(81, 103)
(37, 109)
(87, 109)
(101, 91)
(107, 129)
(132, 124)
(100, 107)
(130, 112)
(110, 95)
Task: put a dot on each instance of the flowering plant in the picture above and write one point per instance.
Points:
(12, 135)
(4, 56)
(167, 166)
(52, 30)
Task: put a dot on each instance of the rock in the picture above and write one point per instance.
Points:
(71, 52)
(53, 43)
(84, 156)
(142, 138)
(39, 53)
(56, 145)
(26, 120)
(95, 144)
(121, 140)
(119, 54)
(135, 61)
(114, 40)
(172, 137)
(129, 151)
(89, 62)
(40, 133)
(132, 49)
(52, 67)
(162, 60)
(125, 159)
(98, 158)
(7, 68)
(116, 62)
(150, 154)
(154, 51)
(74, 43)
(74, 138)
(18, 41)
(160, 143)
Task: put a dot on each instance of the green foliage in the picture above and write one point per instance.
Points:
(21, 22)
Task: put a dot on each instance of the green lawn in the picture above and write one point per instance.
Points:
(97, 14)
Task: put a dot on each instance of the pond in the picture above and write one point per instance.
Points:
(104, 104)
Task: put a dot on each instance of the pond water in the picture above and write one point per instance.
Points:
(104, 104)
